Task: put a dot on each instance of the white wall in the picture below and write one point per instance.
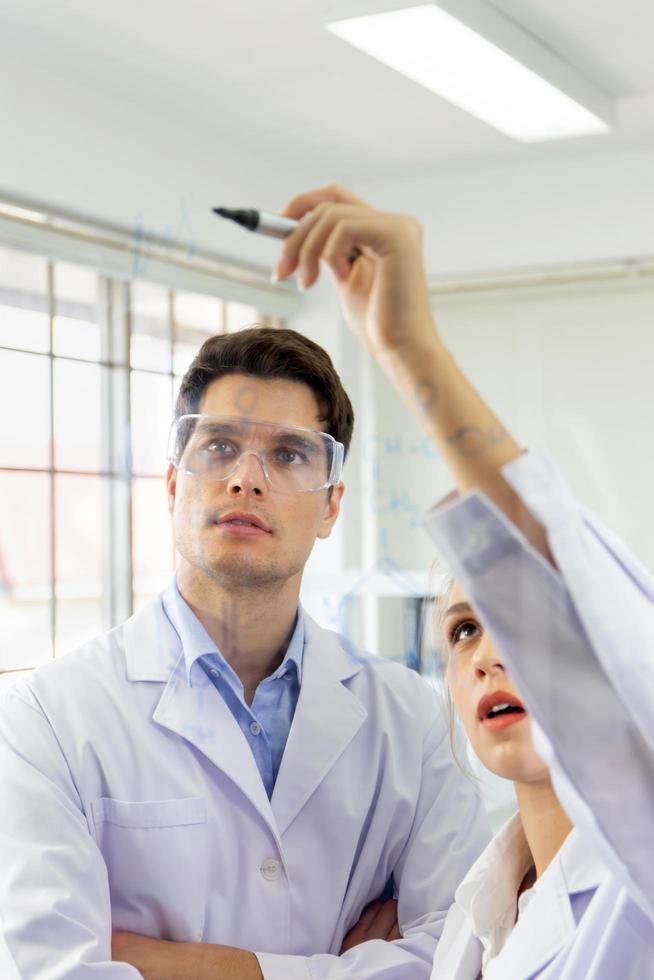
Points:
(568, 369)
(82, 151)
(587, 208)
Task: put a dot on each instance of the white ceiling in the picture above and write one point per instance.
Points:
(264, 75)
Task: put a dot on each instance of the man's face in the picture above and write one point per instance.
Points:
(231, 555)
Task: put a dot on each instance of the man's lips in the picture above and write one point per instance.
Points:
(240, 523)
(499, 710)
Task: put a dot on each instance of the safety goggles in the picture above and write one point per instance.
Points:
(293, 459)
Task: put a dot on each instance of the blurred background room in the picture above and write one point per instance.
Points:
(123, 124)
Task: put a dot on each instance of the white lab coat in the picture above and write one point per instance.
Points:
(578, 642)
(130, 798)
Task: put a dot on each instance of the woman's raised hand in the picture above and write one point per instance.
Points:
(377, 262)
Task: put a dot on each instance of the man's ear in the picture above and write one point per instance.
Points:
(332, 509)
(171, 486)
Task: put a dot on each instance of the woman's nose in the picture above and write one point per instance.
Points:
(486, 659)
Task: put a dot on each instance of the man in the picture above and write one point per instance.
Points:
(219, 781)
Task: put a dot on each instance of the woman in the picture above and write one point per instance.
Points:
(566, 710)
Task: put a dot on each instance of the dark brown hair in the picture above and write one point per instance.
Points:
(269, 352)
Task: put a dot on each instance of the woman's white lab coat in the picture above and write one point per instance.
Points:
(579, 645)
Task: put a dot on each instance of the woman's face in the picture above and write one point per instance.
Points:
(488, 704)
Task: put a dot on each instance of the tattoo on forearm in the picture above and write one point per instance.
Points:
(471, 440)
(426, 395)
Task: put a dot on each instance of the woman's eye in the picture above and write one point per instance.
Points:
(463, 631)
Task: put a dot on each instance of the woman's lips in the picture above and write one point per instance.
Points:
(500, 709)
(503, 721)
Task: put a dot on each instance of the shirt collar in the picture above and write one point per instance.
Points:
(197, 643)
(488, 892)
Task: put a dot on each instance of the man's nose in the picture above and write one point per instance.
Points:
(248, 477)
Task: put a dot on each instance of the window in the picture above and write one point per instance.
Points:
(90, 365)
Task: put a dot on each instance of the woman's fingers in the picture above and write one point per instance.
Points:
(288, 258)
(320, 231)
(380, 235)
(303, 248)
(311, 209)
(336, 233)
(298, 206)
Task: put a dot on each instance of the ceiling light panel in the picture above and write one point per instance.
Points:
(439, 51)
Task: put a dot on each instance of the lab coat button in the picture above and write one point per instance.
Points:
(270, 869)
(255, 728)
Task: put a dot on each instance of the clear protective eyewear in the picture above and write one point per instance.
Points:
(293, 459)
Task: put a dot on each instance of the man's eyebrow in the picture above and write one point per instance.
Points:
(297, 440)
(458, 607)
(226, 427)
(210, 427)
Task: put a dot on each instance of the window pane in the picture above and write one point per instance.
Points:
(24, 410)
(196, 317)
(24, 318)
(77, 408)
(76, 328)
(150, 345)
(25, 535)
(177, 380)
(238, 315)
(184, 353)
(79, 535)
(151, 417)
(152, 541)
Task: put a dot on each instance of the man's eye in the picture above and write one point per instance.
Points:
(289, 456)
(463, 631)
(219, 447)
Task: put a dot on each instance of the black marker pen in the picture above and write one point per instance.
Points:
(263, 222)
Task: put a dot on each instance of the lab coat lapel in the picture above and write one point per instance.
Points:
(459, 952)
(200, 716)
(327, 718)
(543, 929)
(548, 922)
(197, 713)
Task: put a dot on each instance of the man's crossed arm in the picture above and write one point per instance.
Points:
(158, 959)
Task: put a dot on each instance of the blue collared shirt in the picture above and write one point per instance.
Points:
(266, 723)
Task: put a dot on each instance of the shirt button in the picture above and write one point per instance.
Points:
(255, 728)
(270, 869)
(214, 672)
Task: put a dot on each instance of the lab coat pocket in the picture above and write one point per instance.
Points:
(156, 857)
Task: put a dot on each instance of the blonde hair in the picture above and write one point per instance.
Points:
(443, 582)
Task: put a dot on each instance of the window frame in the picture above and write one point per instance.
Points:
(120, 257)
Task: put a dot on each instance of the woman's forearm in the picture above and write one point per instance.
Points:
(471, 439)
